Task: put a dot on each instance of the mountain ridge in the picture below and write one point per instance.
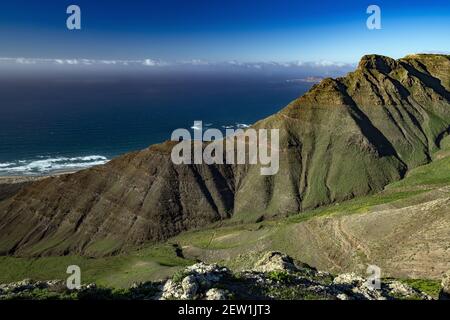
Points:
(345, 137)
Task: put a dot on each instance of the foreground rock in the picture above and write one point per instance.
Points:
(275, 261)
(445, 291)
(275, 276)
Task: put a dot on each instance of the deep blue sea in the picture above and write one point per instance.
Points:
(58, 122)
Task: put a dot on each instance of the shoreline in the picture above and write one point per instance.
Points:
(14, 179)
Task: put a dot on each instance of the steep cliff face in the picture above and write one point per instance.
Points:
(353, 135)
(138, 197)
(346, 137)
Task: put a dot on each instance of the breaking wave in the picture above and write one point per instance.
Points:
(50, 165)
(236, 126)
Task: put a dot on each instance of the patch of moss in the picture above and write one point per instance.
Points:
(279, 276)
(293, 292)
(179, 276)
(430, 287)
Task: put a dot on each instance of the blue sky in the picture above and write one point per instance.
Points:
(222, 30)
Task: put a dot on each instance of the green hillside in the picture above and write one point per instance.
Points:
(239, 246)
(345, 138)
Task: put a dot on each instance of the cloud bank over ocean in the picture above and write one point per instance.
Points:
(323, 66)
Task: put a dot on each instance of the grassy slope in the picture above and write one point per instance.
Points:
(420, 180)
(237, 246)
(153, 263)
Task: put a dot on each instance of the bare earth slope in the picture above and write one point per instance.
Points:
(346, 137)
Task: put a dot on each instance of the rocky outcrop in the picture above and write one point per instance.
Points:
(344, 138)
(197, 281)
(29, 285)
(212, 282)
(275, 261)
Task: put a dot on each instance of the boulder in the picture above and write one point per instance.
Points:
(275, 261)
(445, 284)
(350, 279)
(190, 287)
(216, 294)
(197, 281)
(171, 291)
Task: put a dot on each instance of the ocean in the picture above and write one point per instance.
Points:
(54, 122)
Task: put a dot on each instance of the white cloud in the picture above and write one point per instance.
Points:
(150, 62)
(113, 62)
(195, 62)
(24, 61)
(292, 64)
